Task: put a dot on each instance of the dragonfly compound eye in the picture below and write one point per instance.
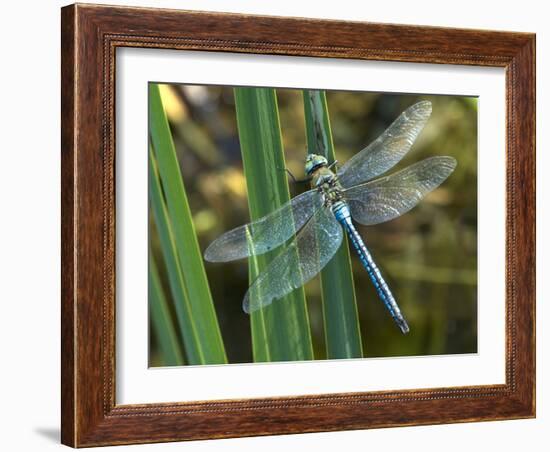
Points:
(314, 161)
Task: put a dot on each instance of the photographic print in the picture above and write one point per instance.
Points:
(276, 225)
(299, 224)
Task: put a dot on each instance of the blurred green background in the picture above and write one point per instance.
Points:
(428, 256)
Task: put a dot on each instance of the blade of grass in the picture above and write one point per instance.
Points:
(280, 331)
(162, 324)
(180, 297)
(342, 333)
(203, 314)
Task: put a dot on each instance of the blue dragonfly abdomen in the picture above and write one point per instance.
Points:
(343, 215)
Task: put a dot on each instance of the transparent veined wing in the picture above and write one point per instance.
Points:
(265, 233)
(388, 149)
(391, 196)
(301, 260)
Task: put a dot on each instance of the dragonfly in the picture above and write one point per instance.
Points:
(310, 227)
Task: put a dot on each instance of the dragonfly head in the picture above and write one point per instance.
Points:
(313, 162)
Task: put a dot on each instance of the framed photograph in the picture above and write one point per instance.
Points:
(282, 225)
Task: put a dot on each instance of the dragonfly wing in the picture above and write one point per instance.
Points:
(265, 233)
(391, 196)
(305, 256)
(388, 149)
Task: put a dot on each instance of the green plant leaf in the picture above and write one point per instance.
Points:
(280, 331)
(161, 319)
(200, 307)
(342, 333)
(175, 278)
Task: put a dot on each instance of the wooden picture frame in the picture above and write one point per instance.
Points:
(90, 36)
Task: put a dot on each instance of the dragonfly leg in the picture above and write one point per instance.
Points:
(296, 181)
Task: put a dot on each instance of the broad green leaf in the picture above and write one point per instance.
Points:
(201, 311)
(280, 331)
(175, 277)
(342, 334)
(161, 319)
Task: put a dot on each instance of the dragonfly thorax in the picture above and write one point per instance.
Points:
(327, 183)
